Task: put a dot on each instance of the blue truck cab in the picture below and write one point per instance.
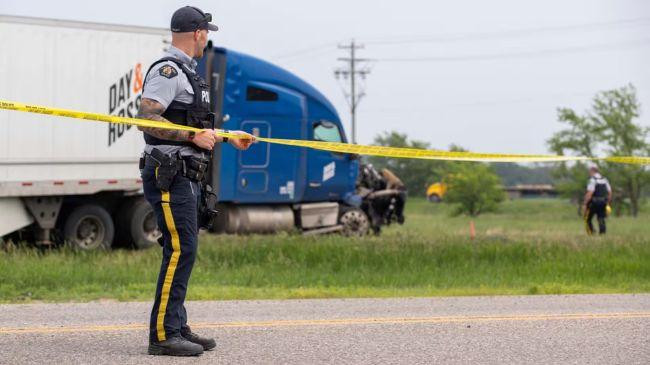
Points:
(271, 187)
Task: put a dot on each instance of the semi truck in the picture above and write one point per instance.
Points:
(64, 180)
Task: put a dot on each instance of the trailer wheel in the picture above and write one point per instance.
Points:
(355, 222)
(89, 227)
(143, 224)
(136, 225)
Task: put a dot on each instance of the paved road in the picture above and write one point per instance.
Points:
(608, 329)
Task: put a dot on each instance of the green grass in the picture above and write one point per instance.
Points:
(529, 247)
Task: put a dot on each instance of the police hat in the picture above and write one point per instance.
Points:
(190, 19)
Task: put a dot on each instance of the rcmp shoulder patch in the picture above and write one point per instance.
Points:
(167, 71)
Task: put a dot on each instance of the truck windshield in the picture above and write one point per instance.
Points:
(327, 132)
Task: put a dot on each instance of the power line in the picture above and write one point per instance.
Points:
(351, 72)
(323, 47)
(502, 34)
(312, 55)
(306, 51)
(524, 54)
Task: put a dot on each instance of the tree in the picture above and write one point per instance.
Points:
(474, 188)
(571, 181)
(608, 128)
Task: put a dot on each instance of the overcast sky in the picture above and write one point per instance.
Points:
(487, 75)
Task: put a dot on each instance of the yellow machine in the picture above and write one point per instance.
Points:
(436, 191)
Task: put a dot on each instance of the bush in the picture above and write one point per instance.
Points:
(474, 188)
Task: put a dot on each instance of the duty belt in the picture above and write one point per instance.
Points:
(189, 166)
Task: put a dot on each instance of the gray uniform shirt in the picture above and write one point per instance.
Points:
(598, 179)
(165, 90)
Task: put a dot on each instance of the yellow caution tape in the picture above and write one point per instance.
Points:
(382, 151)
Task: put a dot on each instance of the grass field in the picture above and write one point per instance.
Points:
(529, 247)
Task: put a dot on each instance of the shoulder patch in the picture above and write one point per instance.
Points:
(168, 71)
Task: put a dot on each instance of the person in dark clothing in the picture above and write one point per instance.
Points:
(394, 182)
(173, 168)
(597, 198)
(384, 196)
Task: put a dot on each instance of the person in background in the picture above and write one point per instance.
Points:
(596, 201)
(394, 182)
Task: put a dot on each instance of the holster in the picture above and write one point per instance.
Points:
(166, 168)
(191, 167)
(207, 208)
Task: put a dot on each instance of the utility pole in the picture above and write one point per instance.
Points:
(351, 71)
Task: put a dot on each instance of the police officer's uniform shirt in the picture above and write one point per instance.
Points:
(165, 83)
(598, 179)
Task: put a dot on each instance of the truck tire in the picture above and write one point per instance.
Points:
(89, 227)
(355, 222)
(137, 226)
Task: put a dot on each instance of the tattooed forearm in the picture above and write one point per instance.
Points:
(152, 110)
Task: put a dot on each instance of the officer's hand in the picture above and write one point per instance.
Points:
(205, 139)
(243, 142)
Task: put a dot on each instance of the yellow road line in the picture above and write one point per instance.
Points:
(337, 322)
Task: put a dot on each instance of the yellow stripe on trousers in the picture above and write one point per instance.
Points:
(171, 267)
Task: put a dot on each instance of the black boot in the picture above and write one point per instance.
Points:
(175, 346)
(206, 343)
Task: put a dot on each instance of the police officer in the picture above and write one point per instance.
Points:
(173, 167)
(395, 183)
(597, 198)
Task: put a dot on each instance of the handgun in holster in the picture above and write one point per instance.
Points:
(166, 168)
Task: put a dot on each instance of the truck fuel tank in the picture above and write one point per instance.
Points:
(244, 219)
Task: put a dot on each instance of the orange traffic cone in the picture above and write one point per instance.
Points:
(472, 230)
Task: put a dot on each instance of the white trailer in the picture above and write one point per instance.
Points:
(79, 177)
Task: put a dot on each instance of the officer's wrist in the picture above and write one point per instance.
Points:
(190, 136)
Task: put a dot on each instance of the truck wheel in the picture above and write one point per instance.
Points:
(355, 222)
(89, 227)
(137, 225)
(434, 198)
